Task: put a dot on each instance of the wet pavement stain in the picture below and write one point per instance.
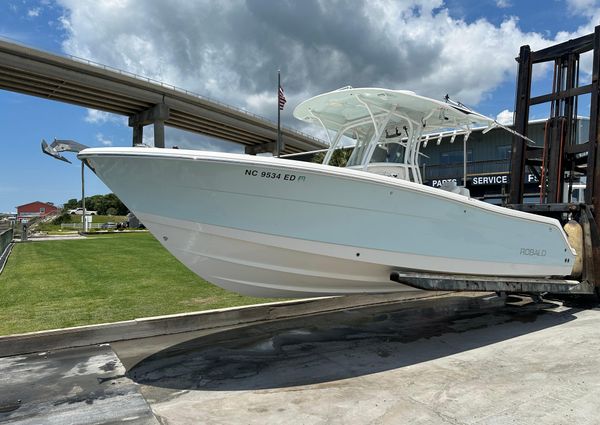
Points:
(109, 366)
(9, 406)
(109, 378)
(87, 399)
(318, 350)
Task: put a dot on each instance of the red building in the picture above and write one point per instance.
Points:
(34, 209)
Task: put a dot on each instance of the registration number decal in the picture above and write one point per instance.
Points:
(273, 175)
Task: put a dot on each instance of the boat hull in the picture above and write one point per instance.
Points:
(272, 227)
(262, 265)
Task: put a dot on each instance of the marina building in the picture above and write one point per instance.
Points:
(488, 161)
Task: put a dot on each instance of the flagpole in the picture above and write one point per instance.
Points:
(278, 147)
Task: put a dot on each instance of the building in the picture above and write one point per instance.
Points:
(34, 209)
(488, 161)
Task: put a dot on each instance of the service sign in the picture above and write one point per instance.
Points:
(485, 180)
(440, 182)
(497, 179)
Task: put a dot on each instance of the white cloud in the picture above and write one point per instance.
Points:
(148, 135)
(34, 12)
(503, 4)
(94, 116)
(261, 101)
(506, 117)
(231, 50)
(593, 13)
(103, 140)
(583, 7)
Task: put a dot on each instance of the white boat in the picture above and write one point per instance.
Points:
(275, 227)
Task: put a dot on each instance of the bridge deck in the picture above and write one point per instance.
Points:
(66, 79)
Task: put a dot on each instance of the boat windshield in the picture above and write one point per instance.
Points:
(360, 149)
(386, 152)
(391, 152)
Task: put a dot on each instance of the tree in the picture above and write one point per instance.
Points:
(100, 203)
(339, 158)
(65, 217)
(114, 202)
(72, 203)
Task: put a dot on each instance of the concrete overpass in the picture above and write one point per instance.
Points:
(145, 101)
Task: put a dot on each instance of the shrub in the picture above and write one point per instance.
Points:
(63, 218)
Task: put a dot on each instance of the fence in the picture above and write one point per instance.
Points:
(6, 237)
(79, 226)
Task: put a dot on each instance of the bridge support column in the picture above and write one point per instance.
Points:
(156, 115)
(159, 134)
(138, 134)
(262, 148)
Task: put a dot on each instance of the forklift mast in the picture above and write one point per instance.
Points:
(564, 161)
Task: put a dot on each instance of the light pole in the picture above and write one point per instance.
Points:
(85, 224)
(54, 150)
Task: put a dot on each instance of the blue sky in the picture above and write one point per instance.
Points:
(230, 51)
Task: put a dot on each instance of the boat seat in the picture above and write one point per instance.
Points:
(451, 186)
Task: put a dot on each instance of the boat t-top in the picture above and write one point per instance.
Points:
(278, 227)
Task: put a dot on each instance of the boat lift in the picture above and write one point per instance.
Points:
(561, 165)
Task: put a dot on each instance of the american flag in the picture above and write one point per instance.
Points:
(281, 99)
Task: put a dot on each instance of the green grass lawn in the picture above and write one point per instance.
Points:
(55, 284)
